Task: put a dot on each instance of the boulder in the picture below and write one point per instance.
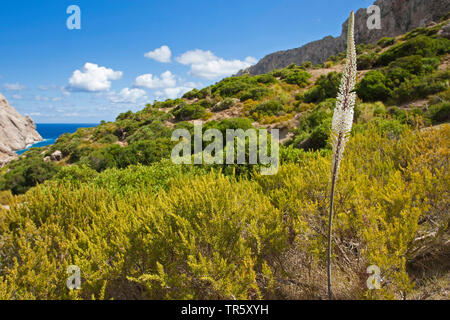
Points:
(445, 31)
(56, 156)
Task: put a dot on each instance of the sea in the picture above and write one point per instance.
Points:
(51, 131)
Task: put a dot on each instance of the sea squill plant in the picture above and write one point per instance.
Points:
(341, 127)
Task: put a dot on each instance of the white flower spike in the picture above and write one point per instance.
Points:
(343, 113)
(341, 127)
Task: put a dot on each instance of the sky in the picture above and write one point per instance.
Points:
(127, 53)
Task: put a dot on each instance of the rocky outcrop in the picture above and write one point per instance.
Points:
(56, 156)
(16, 132)
(397, 17)
(445, 31)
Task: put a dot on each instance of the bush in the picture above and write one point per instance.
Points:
(232, 123)
(254, 94)
(189, 112)
(417, 88)
(269, 108)
(22, 175)
(125, 115)
(230, 87)
(149, 132)
(415, 65)
(326, 87)
(76, 174)
(366, 61)
(439, 113)
(223, 105)
(372, 87)
(317, 139)
(169, 103)
(386, 42)
(193, 94)
(137, 233)
(266, 79)
(293, 74)
(298, 77)
(421, 45)
(5, 197)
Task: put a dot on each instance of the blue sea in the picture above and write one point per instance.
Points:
(51, 131)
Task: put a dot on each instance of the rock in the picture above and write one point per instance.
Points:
(56, 156)
(397, 17)
(16, 132)
(444, 32)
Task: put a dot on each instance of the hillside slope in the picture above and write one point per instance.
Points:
(141, 227)
(401, 78)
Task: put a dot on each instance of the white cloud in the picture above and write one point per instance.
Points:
(127, 95)
(72, 114)
(93, 78)
(13, 86)
(149, 81)
(17, 96)
(205, 64)
(41, 98)
(162, 54)
(172, 93)
(46, 88)
(65, 92)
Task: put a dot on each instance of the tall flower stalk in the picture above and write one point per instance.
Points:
(341, 127)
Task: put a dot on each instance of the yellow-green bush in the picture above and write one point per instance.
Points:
(214, 237)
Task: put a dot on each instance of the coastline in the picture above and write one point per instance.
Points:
(50, 132)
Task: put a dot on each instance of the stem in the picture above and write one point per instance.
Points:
(330, 224)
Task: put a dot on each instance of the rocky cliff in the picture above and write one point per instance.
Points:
(397, 17)
(16, 132)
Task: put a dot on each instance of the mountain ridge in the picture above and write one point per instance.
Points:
(397, 17)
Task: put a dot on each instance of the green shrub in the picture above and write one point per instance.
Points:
(422, 31)
(269, 108)
(223, 105)
(193, 94)
(27, 173)
(439, 113)
(386, 42)
(76, 174)
(152, 131)
(417, 88)
(415, 65)
(293, 74)
(307, 65)
(231, 87)
(254, 93)
(266, 79)
(110, 138)
(372, 87)
(189, 112)
(326, 87)
(298, 77)
(169, 103)
(366, 61)
(421, 45)
(125, 115)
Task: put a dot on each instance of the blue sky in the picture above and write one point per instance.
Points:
(111, 64)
